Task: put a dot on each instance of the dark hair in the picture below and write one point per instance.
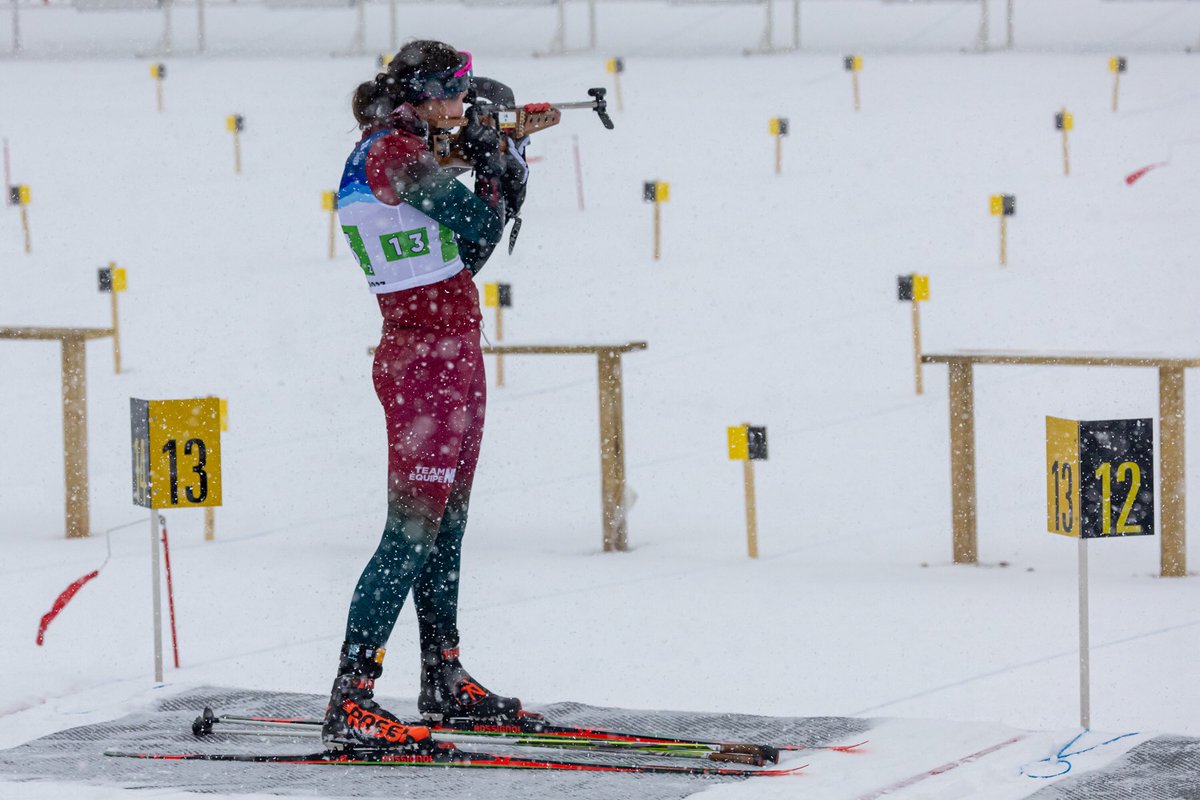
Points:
(375, 100)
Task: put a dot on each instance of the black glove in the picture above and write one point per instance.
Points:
(516, 175)
(481, 145)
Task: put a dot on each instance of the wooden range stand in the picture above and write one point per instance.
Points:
(74, 401)
(1171, 476)
(612, 427)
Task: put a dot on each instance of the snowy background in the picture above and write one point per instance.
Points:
(774, 303)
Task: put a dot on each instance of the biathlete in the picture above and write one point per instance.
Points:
(420, 236)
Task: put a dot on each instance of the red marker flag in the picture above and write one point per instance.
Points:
(1132, 177)
(61, 603)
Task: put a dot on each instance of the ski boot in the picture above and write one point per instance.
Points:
(449, 692)
(353, 720)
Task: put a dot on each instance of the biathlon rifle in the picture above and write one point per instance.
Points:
(497, 106)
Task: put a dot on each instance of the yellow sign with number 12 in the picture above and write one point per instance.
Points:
(1100, 477)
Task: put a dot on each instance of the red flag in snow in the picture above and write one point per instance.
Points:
(1132, 177)
(61, 603)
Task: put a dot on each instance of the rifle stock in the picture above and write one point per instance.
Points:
(515, 121)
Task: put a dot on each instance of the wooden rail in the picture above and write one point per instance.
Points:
(74, 404)
(1172, 487)
(612, 426)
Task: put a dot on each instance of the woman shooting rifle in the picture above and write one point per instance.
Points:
(420, 236)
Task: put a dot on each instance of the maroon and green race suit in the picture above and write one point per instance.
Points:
(420, 235)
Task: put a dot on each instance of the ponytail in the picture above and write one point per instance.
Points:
(375, 100)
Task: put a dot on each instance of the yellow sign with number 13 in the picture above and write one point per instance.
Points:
(176, 452)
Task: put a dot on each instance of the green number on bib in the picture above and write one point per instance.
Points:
(359, 247)
(449, 243)
(405, 244)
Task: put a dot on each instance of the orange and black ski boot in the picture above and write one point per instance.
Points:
(353, 720)
(449, 692)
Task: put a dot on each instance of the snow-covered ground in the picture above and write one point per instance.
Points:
(774, 303)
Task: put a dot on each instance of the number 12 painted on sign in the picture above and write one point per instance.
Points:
(1104, 473)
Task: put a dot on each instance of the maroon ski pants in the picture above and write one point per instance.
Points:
(429, 376)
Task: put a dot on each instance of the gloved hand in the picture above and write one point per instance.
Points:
(481, 145)
(516, 175)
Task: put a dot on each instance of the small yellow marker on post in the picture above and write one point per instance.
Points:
(915, 289)
(657, 192)
(1003, 206)
(159, 73)
(748, 444)
(112, 280)
(779, 129)
(235, 124)
(329, 203)
(499, 297)
(1116, 65)
(1065, 121)
(19, 196)
(615, 67)
(853, 65)
(210, 513)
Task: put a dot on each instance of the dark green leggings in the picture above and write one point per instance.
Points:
(413, 555)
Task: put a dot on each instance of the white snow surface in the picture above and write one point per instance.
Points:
(774, 303)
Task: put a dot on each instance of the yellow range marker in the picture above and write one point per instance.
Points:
(1062, 476)
(177, 452)
(739, 443)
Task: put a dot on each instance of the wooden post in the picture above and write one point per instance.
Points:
(751, 509)
(578, 170)
(499, 338)
(778, 155)
(332, 232)
(210, 523)
(25, 229)
(1003, 240)
(75, 440)
(657, 229)
(916, 319)
(1173, 527)
(1066, 147)
(612, 452)
(1116, 88)
(854, 78)
(158, 91)
(617, 89)
(962, 461)
(116, 330)
(237, 153)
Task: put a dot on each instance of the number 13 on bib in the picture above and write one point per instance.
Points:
(176, 452)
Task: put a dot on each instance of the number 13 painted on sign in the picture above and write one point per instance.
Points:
(1064, 522)
(201, 458)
